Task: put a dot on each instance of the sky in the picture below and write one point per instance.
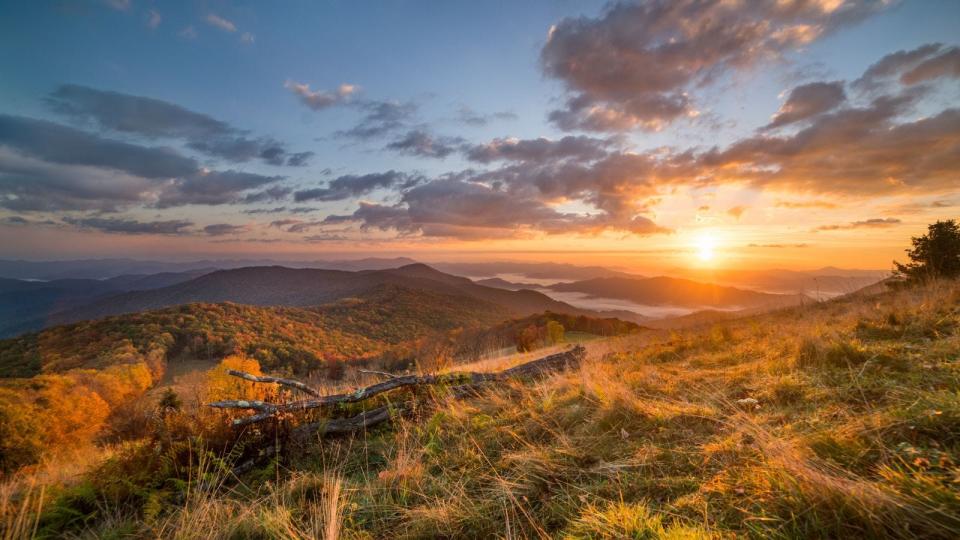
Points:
(642, 135)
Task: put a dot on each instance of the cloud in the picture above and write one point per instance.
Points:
(619, 185)
(736, 211)
(127, 113)
(807, 101)
(215, 20)
(581, 148)
(188, 33)
(16, 220)
(154, 118)
(374, 215)
(299, 159)
(280, 209)
(212, 188)
(28, 184)
(420, 143)
(248, 38)
(946, 64)
(800, 245)
(302, 226)
(274, 193)
(320, 99)
(325, 237)
(48, 166)
(471, 211)
(119, 5)
(805, 204)
(634, 66)
(221, 229)
(380, 118)
(154, 18)
(875, 223)
(20, 221)
(926, 62)
(246, 240)
(65, 145)
(351, 185)
(467, 116)
(281, 223)
(859, 151)
(131, 226)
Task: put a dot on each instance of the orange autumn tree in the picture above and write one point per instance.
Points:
(221, 385)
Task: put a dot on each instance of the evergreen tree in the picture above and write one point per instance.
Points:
(934, 255)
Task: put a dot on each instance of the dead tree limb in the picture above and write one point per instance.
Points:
(381, 373)
(275, 380)
(461, 382)
(341, 426)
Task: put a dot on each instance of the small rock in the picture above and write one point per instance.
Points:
(624, 434)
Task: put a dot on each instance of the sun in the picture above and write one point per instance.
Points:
(705, 245)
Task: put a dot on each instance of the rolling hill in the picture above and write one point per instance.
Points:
(281, 338)
(29, 305)
(302, 287)
(663, 290)
(109, 268)
(826, 282)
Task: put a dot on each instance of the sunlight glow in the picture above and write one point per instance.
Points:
(705, 245)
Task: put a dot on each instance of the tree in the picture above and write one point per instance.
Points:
(934, 255)
(170, 401)
(555, 331)
(528, 338)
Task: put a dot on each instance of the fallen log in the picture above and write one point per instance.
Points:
(461, 383)
(343, 426)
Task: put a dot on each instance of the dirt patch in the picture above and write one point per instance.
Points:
(185, 376)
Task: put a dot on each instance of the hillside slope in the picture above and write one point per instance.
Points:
(282, 338)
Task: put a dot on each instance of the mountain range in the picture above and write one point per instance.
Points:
(67, 301)
(28, 304)
(659, 291)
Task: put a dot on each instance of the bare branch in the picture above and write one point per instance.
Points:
(360, 422)
(381, 373)
(275, 380)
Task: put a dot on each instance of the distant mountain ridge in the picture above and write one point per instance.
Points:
(827, 281)
(659, 291)
(306, 287)
(28, 305)
(109, 268)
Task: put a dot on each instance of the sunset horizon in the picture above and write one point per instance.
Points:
(420, 269)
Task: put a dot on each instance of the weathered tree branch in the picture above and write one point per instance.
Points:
(275, 380)
(339, 426)
(462, 382)
(381, 373)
